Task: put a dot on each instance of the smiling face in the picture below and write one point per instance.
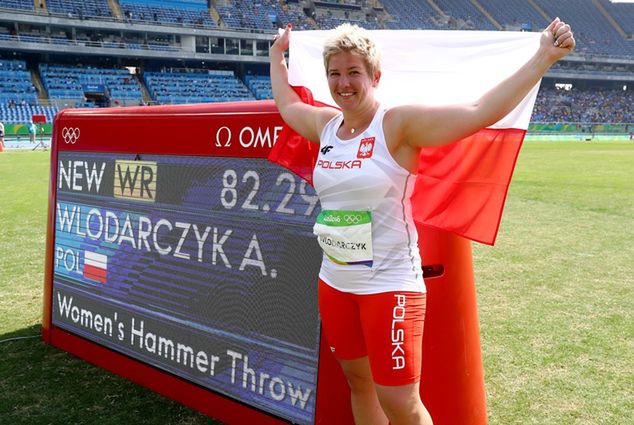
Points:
(350, 81)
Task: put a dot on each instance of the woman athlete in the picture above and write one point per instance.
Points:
(371, 289)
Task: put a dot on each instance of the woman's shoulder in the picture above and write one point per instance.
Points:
(325, 116)
(403, 116)
(393, 122)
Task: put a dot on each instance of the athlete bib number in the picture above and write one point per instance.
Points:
(345, 236)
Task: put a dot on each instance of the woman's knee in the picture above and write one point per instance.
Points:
(399, 405)
(402, 404)
(358, 374)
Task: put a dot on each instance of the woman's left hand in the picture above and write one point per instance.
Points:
(557, 40)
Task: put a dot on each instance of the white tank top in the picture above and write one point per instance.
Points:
(360, 174)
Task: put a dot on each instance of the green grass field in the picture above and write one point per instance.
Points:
(555, 297)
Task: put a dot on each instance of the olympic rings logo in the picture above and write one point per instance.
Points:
(351, 219)
(70, 134)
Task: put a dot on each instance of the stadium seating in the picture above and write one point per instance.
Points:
(410, 15)
(17, 4)
(515, 14)
(328, 23)
(17, 86)
(22, 114)
(66, 82)
(196, 87)
(246, 14)
(330, 14)
(293, 13)
(592, 30)
(260, 85)
(623, 14)
(79, 9)
(584, 105)
(12, 65)
(467, 13)
(15, 83)
(262, 15)
(174, 12)
(18, 96)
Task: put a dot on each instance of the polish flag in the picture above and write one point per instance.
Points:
(95, 266)
(461, 187)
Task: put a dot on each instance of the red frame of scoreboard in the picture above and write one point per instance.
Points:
(175, 130)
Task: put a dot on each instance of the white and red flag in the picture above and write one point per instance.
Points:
(460, 187)
(95, 266)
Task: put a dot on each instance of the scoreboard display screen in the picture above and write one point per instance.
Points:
(194, 256)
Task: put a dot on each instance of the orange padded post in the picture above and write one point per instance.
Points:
(452, 385)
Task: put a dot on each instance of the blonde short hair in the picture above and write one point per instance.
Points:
(352, 38)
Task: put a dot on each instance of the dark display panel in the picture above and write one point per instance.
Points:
(205, 267)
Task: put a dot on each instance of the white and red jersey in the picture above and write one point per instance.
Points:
(361, 174)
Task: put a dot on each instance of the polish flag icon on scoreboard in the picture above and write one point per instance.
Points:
(95, 266)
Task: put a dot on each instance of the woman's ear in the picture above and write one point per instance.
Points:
(377, 78)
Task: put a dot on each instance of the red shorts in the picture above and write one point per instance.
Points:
(387, 327)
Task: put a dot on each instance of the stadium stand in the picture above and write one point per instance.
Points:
(243, 15)
(260, 85)
(82, 9)
(329, 15)
(262, 15)
(623, 14)
(180, 12)
(466, 12)
(411, 15)
(15, 83)
(594, 105)
(196, 86)
(595, 33)
(18, 96)
(18, 4)
(604, 31)
(72, 83)
(515, 14)
(293, 13)
(22, 114)
(12, 65)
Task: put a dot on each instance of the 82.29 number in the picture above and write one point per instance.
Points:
(229, 192)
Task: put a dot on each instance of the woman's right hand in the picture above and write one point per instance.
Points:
(557, 41)
(282, 40)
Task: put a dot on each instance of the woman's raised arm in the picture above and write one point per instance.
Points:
(421, 125)
(305, 119)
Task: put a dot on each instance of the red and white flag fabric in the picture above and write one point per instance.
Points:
(461, 187)
(95, 266)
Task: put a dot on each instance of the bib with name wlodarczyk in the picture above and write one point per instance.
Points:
(345, 236)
